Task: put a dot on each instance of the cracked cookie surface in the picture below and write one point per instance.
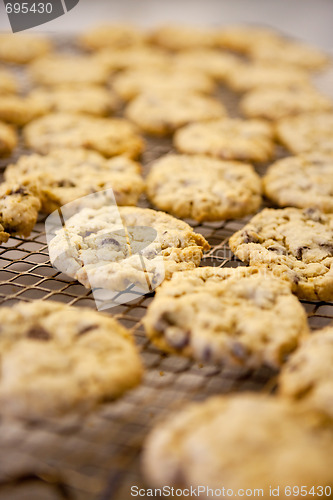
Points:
(228, 139)
(295, 245)
(301, 181)
(245, 440)
(56, 358)
(228, 316)
(203, 188)
(65, 175)
(308, 374)
(108, 247)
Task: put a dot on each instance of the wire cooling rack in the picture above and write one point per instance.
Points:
(97, 456)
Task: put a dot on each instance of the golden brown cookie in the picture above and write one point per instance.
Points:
(8, 139)
(290, 52)
(58, 359)
(18, 210)
(21, 48)
(276, 103)
(113, 36)
(59, 69)
(131, 83)
(232, 444)
(8, 83)
(91, 100)
(202, 188)
(110, 137)
(295, 245)
(65, 175)
(22, 110)
(244, 77)
(177, 37)
(163, 113)
(307, 132)
(227, 139)
(244, 38)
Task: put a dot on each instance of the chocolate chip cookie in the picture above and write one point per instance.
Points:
(295, 245)
(56, 358)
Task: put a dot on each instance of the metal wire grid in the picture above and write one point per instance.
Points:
(96, 457)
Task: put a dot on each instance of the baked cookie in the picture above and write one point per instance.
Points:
(131, 83)
(99, 247)
(291, 52)
(8, 83)
(295, 244)
(228, 139)
(137, 57)
(18, 210)
(66, 175)
(237, 443)
(113, 36)
(308, 374)
(177, 37)
(301, 181)
(245, 77)
(56, 358)
(276, 103)
(21, 49)
(202, 188)
(212, 62)
(197, 314)
(244, 38)
(307, 132)
(22, 110)
(8, 139)
(110, 137)
(91, 100)
(163, 113)
(62, 69)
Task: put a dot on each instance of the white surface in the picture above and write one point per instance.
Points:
(310, 20)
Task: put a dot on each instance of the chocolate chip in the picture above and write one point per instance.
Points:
(299, 252)
(21, 190)
(181, 340)
(87, 329)
(65, 183)
(111, 241)
(207, 354)
(164, 321)
(296, 279)
(87, 233)
(249, 238)
(38, 333)
(239, 350)
(278, 250)
(313, 214)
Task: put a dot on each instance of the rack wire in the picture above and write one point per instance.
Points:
(96, 456)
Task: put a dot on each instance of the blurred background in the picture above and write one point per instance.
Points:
(309, 20)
